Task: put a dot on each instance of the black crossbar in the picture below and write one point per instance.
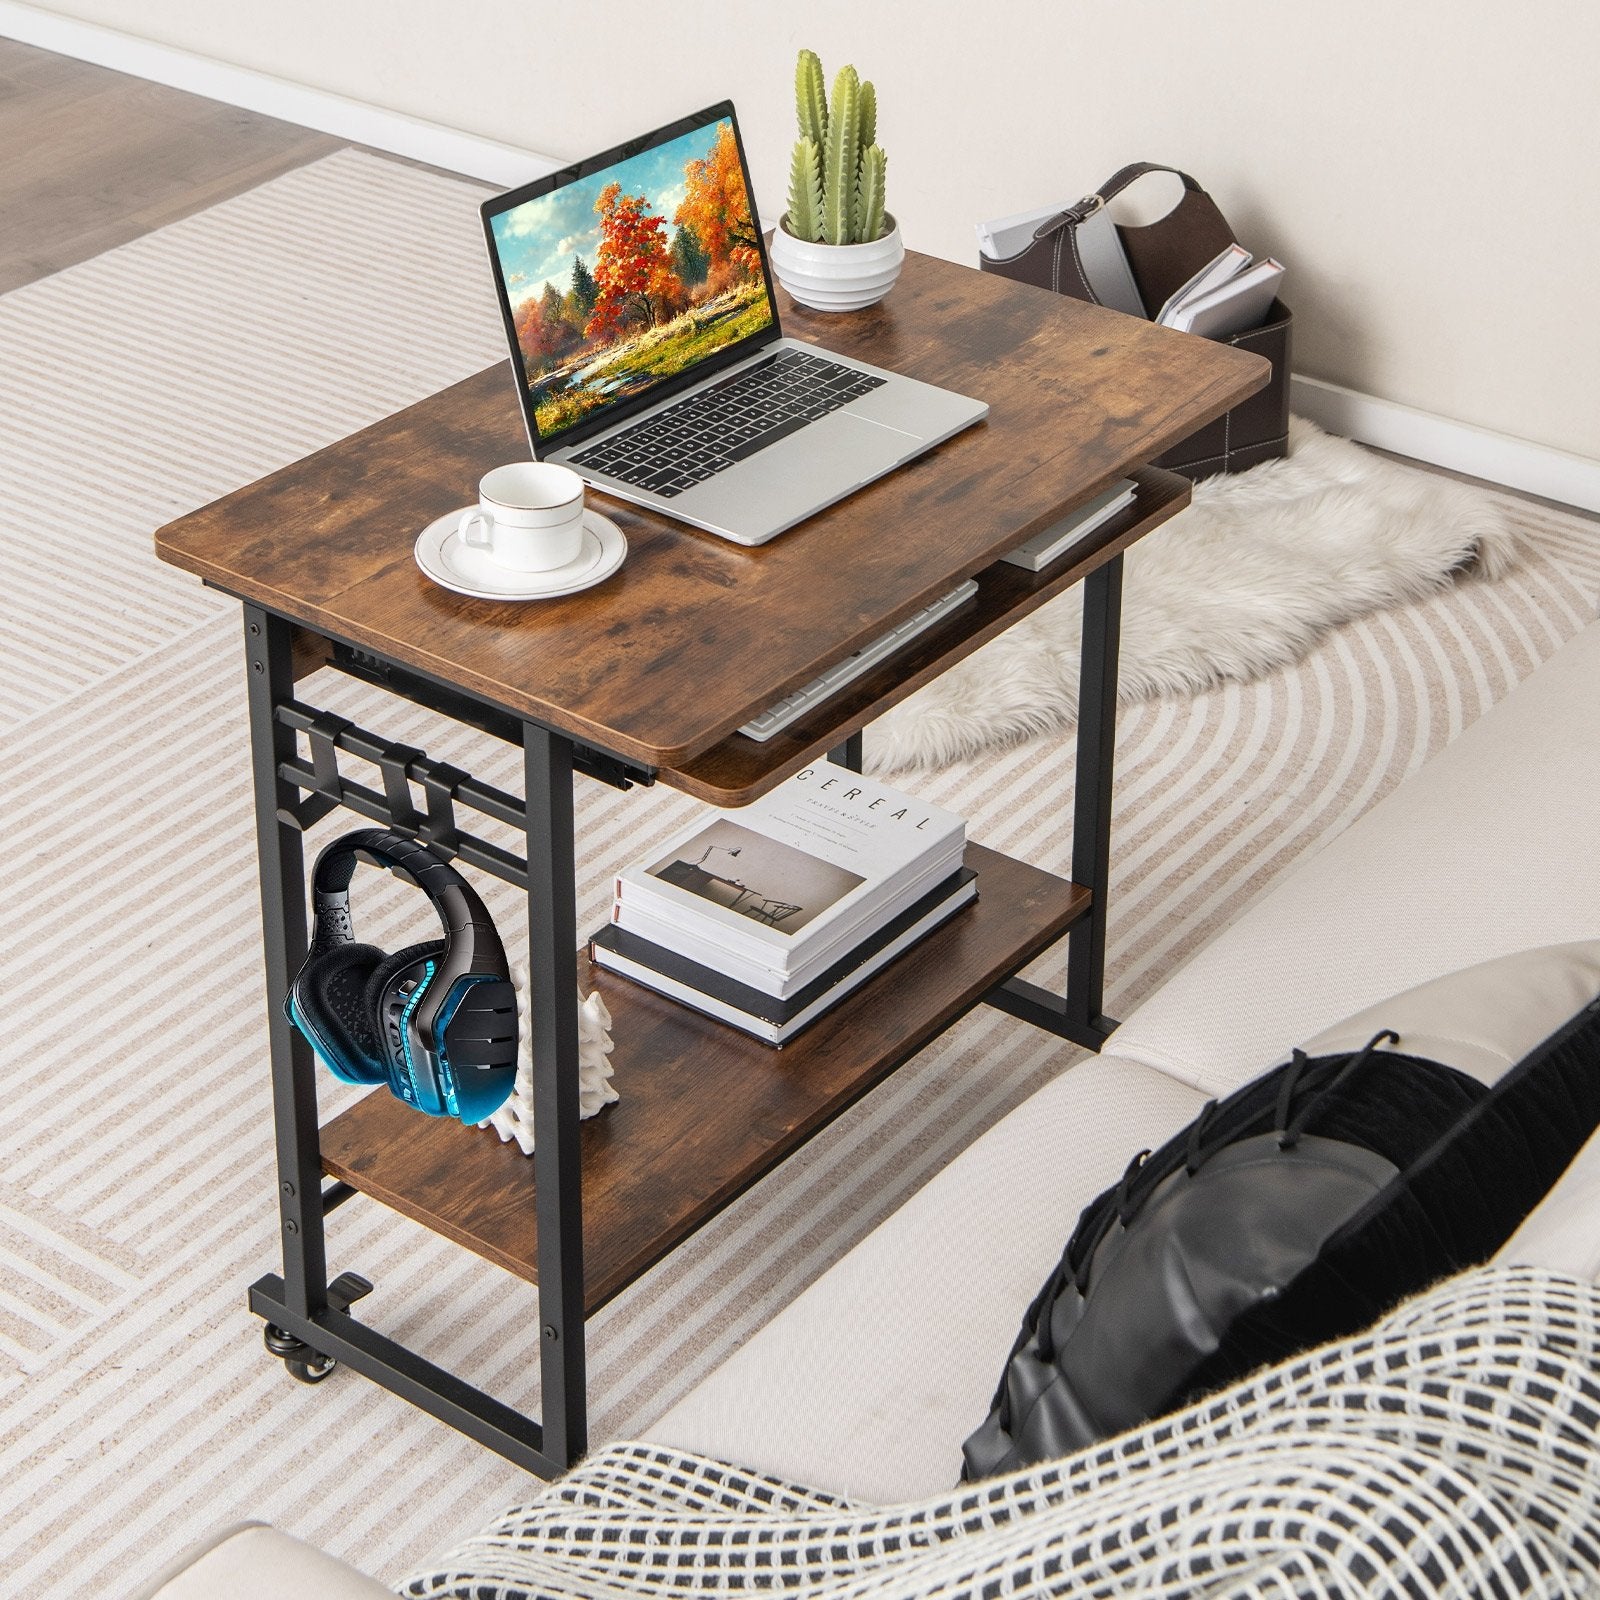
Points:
(1030, 1003)
(399, 766)
(401, 1371)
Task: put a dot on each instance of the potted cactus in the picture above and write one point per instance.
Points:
(836, 248)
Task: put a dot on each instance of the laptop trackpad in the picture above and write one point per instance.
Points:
(802, 473)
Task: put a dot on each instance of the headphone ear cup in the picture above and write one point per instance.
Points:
(328, 1003)
(390, 987)
(481, 1047)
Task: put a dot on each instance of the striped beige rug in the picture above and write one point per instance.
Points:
(136, 1195)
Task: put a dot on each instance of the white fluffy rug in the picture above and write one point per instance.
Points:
(1244, 580)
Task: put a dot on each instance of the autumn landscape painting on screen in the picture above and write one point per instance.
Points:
(626, 277)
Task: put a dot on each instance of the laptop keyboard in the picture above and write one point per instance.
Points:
(718, 426)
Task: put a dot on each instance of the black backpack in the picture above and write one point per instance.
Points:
(1297, 1210)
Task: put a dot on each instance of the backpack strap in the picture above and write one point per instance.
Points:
(1291, 1128)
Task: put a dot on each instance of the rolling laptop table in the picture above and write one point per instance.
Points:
(642, 680)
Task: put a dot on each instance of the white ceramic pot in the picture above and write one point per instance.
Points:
(837, 277)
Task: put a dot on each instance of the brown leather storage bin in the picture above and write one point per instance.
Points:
(1162, 256)
(1256, 429)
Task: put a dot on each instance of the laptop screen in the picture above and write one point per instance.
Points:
(630, 272)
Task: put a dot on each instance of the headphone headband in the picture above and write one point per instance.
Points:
(452, 897)
(383, 847)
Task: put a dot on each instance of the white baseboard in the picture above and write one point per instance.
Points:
(502, 165)
(1497, 457)
(1515, 463)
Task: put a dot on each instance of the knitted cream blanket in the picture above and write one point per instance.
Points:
(1451, 1450)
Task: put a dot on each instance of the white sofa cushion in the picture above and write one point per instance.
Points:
(869, 1381)
(1562, 1233)
(1492, 847)
(1483, 1019)
(250, 1561)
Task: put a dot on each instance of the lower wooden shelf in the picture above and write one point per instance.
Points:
(705, 1111)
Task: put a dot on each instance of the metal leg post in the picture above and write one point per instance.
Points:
(1080, 1016)
(270, 673)
(848, 754)
(553, 1005)
(1091, 824)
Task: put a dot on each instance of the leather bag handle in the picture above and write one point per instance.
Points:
(1159, 256)
(1120, 179)
(1108, 191)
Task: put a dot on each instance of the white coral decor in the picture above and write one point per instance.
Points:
(514, 1120)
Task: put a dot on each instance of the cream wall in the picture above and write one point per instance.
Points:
(1425, 168)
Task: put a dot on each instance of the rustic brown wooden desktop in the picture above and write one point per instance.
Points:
(644, 679)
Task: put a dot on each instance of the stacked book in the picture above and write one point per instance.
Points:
(1226, 296)
(768, 916)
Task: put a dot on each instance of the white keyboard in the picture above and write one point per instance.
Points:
(776, 718)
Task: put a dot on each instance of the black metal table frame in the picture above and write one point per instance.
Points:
(309, 1318)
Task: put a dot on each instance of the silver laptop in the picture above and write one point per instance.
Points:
(645, 340)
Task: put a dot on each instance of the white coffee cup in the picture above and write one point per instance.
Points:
(529, 516)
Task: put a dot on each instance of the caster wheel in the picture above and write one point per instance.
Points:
(304, 1363)
(283, 1344)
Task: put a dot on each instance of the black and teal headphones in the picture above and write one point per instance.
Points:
(435, 1022)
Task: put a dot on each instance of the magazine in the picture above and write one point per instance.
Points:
(709, 949)
(765, 1017)
(806, 867)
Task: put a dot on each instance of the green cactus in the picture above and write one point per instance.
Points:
(841, 158)
(836, 174)
(869, 195)
(810, 97)
(805, 190)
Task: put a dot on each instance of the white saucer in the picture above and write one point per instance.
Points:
(464, 569)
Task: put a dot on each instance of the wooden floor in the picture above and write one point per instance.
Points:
(91, 158)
